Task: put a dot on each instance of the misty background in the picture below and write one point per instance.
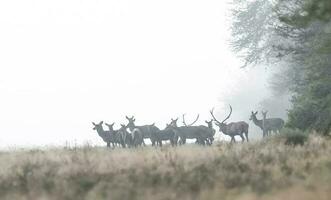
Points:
(65, 64)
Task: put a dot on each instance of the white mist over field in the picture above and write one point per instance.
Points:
(65, 64)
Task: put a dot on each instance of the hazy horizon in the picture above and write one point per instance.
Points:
(66, 64)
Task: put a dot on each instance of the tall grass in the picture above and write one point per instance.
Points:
(269, 169)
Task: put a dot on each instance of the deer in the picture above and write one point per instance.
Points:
(211, 131)
(257, 122)
(207, 133)
(105, 135)
(232, 129)
(125, 136)
(148, 131)
(166, 134)
(187, 132)
(113, 137)
(272, 124)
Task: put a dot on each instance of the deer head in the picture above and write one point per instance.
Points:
(222, 124)
(253, 115)
(97, 127)
(123, 127)
(131, 120)
(110, 126)
(173, 122)
(185, 124)
(209, 123)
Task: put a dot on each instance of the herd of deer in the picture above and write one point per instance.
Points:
(204, 135)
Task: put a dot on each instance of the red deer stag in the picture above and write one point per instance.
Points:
(187, 132)
(232, 129)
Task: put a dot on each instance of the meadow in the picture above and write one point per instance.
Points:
(268, 169)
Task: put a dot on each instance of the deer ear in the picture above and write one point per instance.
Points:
(256, 112)
(93, 123)
(101, 123)
(127, 118)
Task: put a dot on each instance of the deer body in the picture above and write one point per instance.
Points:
(272, 124)
(137, 137)
(168, 134)
(232, 129)
(125, 137)
(257, 122)
(148, 131)
(188, 132)
(105, 135)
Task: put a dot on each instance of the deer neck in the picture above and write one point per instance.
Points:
(131, 126)
(257, 122)
(101, 132)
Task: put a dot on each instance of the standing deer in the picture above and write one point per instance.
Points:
(166, 134)
(232, 129)
(113, 134)
(148, 131)
(211, 131)
(272, 124)
(257, 122)
(125, 136)
(187, 132)
(105, 135)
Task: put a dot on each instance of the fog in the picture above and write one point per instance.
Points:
(65, 64)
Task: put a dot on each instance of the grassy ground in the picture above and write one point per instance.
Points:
(261, 170)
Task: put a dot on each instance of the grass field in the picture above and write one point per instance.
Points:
(260, 170)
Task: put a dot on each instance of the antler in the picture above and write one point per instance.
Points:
(228, 115)
(192, 122)
(212, 114)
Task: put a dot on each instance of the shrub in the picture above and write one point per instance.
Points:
(294, 136)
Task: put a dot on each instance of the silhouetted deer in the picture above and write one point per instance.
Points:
(125, 137)
(211, 131)
(257, 122)
(167, 134)
(148, 131)
(272, 124)
(188, 132)
(207, 132)
(232, 129)
(114, 136)
(105, 135)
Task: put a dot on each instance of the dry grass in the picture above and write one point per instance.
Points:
(262, 170)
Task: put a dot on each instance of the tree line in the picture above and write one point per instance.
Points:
(294, 36)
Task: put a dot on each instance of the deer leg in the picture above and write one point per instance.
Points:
(246, 135)
(242, 138)
(108, 144)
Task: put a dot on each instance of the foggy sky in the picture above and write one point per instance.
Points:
(65, 64)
